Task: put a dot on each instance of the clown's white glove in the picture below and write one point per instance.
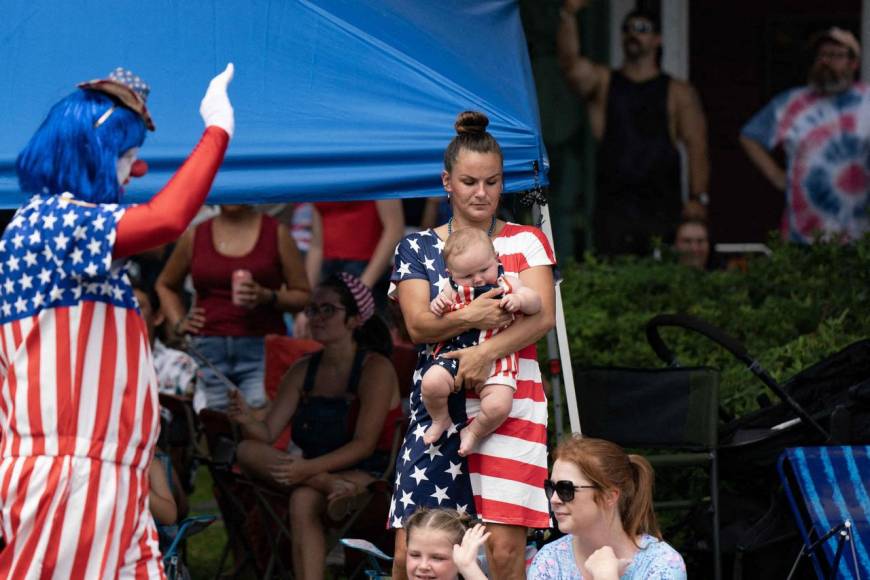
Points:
(215, 107)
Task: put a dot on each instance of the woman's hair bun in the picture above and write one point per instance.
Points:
(471, 123)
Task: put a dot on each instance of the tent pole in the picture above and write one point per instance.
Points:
(555, 380)
(542, 215)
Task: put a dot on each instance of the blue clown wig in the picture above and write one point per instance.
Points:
(68, 153)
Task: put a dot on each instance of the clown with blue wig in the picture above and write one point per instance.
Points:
(78, 395)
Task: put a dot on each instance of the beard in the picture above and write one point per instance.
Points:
(826, 81)
(632, 48)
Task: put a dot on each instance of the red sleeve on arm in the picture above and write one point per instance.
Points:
(165, 217)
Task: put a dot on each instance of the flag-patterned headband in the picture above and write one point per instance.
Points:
(365, 302)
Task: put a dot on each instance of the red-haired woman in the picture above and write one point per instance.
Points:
(602, 500)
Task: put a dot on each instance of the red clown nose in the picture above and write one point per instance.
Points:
(139, 168)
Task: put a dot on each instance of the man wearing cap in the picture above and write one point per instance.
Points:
(637, 114)
(824, 128)
(78, 396)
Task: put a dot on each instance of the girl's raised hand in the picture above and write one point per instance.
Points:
(465, 554)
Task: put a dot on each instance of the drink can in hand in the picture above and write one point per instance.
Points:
(239, 278)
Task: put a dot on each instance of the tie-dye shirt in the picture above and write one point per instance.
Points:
(827, 143)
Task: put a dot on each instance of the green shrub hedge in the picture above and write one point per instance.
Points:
(790, 310)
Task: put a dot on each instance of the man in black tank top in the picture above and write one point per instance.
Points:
(637, 114)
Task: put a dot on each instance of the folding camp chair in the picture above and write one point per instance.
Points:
(183, 437)
(173, 560)
(828, 489)
(658, 409)
(373, 507)
(221, 438)
(674, 409)
(373, 557)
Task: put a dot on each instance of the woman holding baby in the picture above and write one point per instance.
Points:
(499, 475)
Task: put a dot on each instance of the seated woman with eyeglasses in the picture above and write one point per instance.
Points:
(601, 498)
(342, 404)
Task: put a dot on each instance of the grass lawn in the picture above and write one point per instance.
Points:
(204, 549)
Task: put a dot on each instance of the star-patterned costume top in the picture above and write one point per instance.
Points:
(75, 312)
(503, 481)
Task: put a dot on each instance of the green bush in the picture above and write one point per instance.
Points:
(790, 310)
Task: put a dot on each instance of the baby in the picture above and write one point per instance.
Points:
(474, 269)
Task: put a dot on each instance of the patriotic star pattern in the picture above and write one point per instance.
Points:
(127, 78)
(58, 253)
(78, 400)
(827, 144)
(503, 481)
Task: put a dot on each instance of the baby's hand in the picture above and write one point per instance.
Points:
(441, 303)
(511, 303)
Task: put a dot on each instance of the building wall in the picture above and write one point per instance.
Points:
(742, 54)
(738, 54)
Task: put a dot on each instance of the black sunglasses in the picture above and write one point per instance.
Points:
(564, 489)
(638, 27)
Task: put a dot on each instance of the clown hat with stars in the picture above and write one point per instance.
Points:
(127, 88)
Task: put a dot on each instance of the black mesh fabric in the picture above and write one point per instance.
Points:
(663, 408)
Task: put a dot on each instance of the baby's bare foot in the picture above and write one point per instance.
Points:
(434, 432)
(467, 441)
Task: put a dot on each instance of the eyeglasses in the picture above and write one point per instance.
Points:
(638, 27)
(564, 489)
(325, 310)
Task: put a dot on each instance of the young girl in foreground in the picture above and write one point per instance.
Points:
(441, 545)
(602, 500)
(474, 269)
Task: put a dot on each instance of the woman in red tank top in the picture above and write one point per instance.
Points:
(229, 320)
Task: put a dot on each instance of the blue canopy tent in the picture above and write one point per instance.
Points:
(334, 99)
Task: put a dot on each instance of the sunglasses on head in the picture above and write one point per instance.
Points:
(564, 489)
(638, 27)
(325, 310)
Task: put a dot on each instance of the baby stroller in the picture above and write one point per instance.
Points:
(825, 404)
(828, 402)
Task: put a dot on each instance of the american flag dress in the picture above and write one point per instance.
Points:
(78, 400)
(503, 481)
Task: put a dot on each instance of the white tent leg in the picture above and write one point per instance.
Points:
(562, 339)
(555, 383)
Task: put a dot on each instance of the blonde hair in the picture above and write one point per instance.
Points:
(449, 521)
(463, 239)
(609, 467)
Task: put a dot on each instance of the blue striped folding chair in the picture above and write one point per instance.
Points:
(828, 489)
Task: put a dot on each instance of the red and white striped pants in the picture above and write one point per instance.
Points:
(76, 517)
